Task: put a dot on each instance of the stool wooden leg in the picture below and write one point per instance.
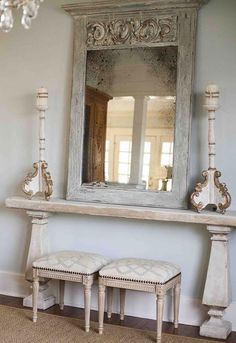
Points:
(62, 292)
(101, 305)
(122, 304)
(35, 295)
(176, 304)
(87, 305)
(109, 301)
(160, 308)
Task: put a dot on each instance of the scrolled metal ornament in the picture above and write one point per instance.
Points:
(224, 192)
(38, 182)
(26, 185)
(195, 196)
(48, 183)
(211, 192)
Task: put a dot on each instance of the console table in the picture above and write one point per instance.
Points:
(217, 287)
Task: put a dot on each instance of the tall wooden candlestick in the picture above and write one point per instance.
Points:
(211, 191)
(39, 182)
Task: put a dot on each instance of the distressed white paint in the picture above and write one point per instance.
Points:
(217, 293)
(211, 191)
(49, 62)
(211, 105)
(42, 107)
(39, 182)
(122, 211)
(39, 245)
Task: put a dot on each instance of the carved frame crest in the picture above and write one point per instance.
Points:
(131, 31)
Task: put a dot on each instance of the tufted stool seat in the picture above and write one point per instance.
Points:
(143, 275)
(74, 266)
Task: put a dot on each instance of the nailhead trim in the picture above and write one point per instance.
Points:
(63, 271)
(139, 281)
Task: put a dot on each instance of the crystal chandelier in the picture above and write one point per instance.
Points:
(29, 8)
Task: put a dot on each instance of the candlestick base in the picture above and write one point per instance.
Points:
(211, 192)
(38, 182)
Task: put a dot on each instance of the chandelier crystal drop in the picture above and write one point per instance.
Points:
(29, 8)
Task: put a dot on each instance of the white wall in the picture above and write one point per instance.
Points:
(43, 56)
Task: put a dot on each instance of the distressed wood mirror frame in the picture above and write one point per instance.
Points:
(159, 23)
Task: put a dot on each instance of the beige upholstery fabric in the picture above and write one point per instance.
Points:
(140, 270)
(72, 261)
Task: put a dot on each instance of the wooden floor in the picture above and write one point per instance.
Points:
(133, 322)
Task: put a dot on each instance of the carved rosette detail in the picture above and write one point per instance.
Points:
(132, 31)
(201, 197)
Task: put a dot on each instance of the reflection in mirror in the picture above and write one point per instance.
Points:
(130, 118)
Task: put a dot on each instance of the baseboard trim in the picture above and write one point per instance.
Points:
(13, 284)
(192, 312)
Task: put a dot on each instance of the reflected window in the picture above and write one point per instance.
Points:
(124, 161)
(146, 163)
(107, 160)
(167, 154)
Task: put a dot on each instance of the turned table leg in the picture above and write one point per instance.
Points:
(217, 292)
(61, 294)
(101, 306)
(87, 283)
(109, 301)
(159, 310)
(38, 247)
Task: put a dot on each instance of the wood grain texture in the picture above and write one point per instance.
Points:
(122, 211)
(77, 108)
(90, 7)
(95, 135)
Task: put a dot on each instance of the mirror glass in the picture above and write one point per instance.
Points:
(130, 118)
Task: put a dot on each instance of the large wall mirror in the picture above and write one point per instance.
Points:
(131, 102)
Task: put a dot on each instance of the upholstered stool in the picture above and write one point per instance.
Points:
(141, 275)
(68, 266)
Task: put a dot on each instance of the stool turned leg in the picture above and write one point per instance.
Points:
(160, 308)
(62, 292)
(87, 304)
(176, 305)
(35, 295)
(109, 301)
(122, 304)
(101, 306)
